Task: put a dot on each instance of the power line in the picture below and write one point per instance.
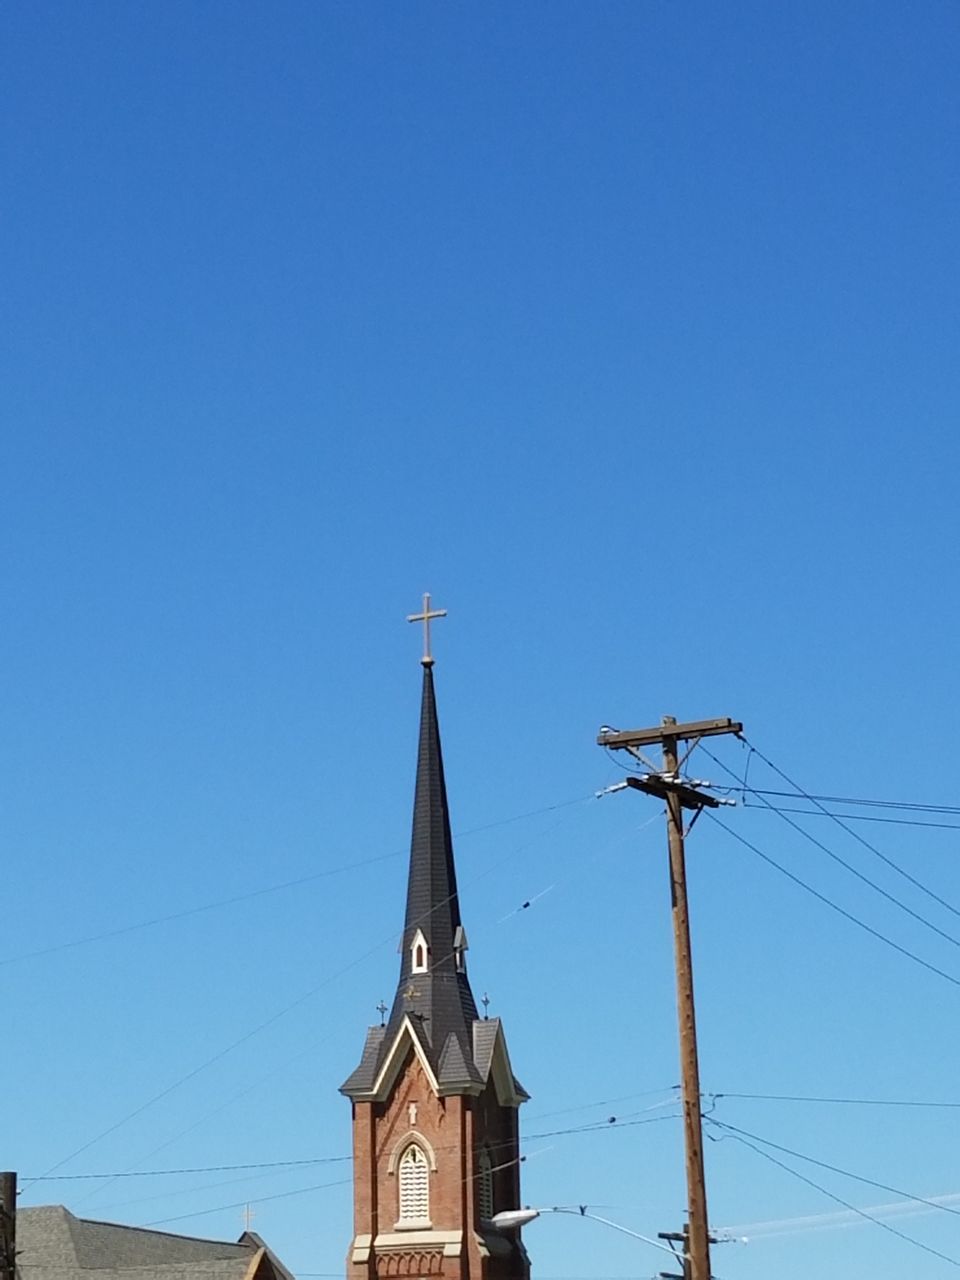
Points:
(852, 817)
(832, 1168)
(209, 1168)
(918, 884)
(848, 866)
(602, 1126)
(863, 1213)
(293, 1057)
(850, 1102)
(769, 1228)
(842, 911)
(597, 1126)
(900, 805)
(605, 1102)
(297, 1191)
(239, 1204)
(857, 800)
(613, 1122)
(268, 1022)
(268, 889)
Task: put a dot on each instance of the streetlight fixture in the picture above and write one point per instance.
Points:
(508, 1219)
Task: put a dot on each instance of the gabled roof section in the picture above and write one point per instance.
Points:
(54, 1244)
(492, 1061)
(393, 1055)
(362, 1078)
(456, 1073)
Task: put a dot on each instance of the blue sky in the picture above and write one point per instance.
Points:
(629, 331)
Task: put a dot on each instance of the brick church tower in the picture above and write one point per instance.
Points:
(435, 1103)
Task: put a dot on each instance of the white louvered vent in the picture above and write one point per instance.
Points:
(485, 1190)
(414, 1187)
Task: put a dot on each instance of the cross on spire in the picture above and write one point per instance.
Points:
(425, 617)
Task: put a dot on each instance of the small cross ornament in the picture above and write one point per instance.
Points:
(485, 1001)
(382, 1009)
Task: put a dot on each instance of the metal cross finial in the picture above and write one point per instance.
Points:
(425, 617)
(485, 1001)
(382, 1010)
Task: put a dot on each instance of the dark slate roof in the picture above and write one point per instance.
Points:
(440, 1001)
(361, 1080)
(485, 1034)
(53, 1244)
(484, 1039)
(455, 1070)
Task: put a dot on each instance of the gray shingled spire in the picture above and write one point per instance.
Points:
(438, 1001)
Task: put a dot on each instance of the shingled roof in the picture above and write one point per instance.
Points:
(53, 1244)
(437, 1005)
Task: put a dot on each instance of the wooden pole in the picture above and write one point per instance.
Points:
(678, 795)
(8, 1226)
(698, 1229)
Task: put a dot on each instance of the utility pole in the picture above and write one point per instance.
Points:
(675, 1238)
(681, 793)
(683, 1238)
(8, 1226)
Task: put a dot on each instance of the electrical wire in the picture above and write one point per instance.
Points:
(207, 1115)
(602, 1126)
(854, 871)
(842, 911)
(298, 1191)
(898, 805)
(849, 1102)
(863, 1213)
(613, 1122)
(604, 1102)
(918, 884)
(240, 1204)
(270, 888)
(206, 1168)
(859, 800)
(832, 1168)
(854, 817)
(771, 1227)
(274, 1018)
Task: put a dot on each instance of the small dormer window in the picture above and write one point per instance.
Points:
(460, 945)
(419, 951)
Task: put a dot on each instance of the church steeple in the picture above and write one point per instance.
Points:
(433, 988)
(436, 1140)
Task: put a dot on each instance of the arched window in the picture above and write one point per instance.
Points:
(414, 1188)
(485, 1186)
